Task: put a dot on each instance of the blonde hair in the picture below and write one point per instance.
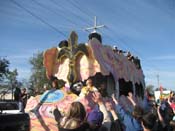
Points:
(75, 116)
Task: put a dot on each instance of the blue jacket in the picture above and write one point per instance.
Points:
(147, 104)
(130, 123)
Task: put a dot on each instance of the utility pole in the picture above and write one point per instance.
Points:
(158, 84)
(95, 27)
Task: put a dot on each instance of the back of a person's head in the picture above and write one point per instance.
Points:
(54, 81)
(149, 121)
(101, 128)
(77, 111)
(69, 123)
(166, 112)
(23, 89)
(75, 116)
(137, 112)
(172, 124)
(95, 118)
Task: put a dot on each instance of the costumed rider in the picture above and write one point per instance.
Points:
(88, 88)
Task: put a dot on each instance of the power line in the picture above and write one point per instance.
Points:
(57, 13)
(37, 17)
(120, 39)
(51, 26)
(153, 71)
(89, 12)
(147, 63)
(95, 27)
(77, 16)
(138, 53)
(76, 6)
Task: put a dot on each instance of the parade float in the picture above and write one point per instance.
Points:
(73, 62)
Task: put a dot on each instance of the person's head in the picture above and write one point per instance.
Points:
(137, 112)
(102, 86)
(23, 90)
(172, 124)
(103, 90)
(45, 87)
(115, 49)
(76, 110)
(89, 82)
(128, 53)
(149, 121)
(95, 118)
(75, 116)
(54, 84)
(54, 81)
(166, 112)
(76, 87)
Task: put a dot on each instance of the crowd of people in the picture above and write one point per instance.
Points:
(112, 116)
(129, 56)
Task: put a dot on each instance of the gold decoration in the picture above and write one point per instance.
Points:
(72, 52)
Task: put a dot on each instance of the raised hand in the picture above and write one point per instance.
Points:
(114, 99)
(96, 97)
(130, 97)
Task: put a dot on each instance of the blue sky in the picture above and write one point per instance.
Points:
(144, 27)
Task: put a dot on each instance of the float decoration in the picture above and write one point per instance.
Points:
(77, 62)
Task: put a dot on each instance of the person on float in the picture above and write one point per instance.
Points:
(88, 88)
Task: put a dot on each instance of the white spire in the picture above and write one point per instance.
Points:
(95, 27)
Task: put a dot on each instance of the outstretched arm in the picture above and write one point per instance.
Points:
(160, 117)
(130, 97)
(119, 109)
(169, 98)
(110, 108)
